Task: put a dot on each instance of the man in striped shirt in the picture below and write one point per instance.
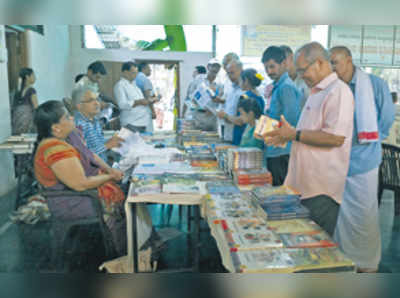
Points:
(88, 122)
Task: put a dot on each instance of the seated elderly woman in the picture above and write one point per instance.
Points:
(62, 162)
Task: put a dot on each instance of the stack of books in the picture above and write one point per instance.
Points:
(222, 187)
(280, 203)
(252, 177)
(227, 206)
(245, 158)
(179, 184)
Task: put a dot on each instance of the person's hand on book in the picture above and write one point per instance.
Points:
(281, 135)
(114, 142)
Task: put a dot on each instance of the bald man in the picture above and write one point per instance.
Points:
(229, 108)
(320, 153)
(357, 230)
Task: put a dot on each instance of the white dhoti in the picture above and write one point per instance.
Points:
(357, 229)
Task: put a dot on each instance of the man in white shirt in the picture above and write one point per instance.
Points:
(135, 108)
(234, 69)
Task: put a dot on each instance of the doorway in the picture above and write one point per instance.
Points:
(17, 50)
(165, 79)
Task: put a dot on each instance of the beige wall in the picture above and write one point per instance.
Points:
(7, 181)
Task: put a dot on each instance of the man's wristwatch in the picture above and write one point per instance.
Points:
(298, 133)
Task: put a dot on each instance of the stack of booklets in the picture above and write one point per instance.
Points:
(252, 177)
(227, 206)
(204, 163)
(146, 184)
(221, 146)
(288, 260)
(199, 147)
(245, 158)
(179, 184)
(159, 169)
(222, 187)
(317, 238)
(249, 234)
(278, 204)
(297, 225)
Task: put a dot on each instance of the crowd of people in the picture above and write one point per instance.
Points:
(71, 152)
(333, 117)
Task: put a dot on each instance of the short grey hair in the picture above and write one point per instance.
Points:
(312, 51)
(78, 94)
(236, 62)
(230, 57)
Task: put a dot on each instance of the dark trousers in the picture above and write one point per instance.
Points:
(278, 166)
(324, 211)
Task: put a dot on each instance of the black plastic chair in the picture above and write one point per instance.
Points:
(62, 228)
(389, 174)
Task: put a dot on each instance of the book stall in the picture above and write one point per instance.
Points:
(257, 227)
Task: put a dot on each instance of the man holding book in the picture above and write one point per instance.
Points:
(320, 153)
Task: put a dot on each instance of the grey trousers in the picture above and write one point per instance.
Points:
(324, 211)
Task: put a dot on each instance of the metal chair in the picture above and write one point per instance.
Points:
(389, 174)
(62, 228)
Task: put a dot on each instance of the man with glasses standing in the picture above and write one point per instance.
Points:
(320, 154)
(87, 121)
(285, 100)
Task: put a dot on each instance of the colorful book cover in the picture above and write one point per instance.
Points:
(288, 260)
(249, 233)
(264, 125)
(204, 163)
(317, 238)
(323, 259)
(222, 187)
(279, 201)
(147, 186)
(172, 184)
(298, 225)
(286, 212)
(262, 261)
(266, 191)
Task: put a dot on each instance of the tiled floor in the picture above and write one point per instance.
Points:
(25, 248)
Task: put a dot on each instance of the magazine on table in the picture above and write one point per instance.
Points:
(317, 238)
(263, 261)
(288, 260)
(298, 225)
(179, 184)
(249, 233)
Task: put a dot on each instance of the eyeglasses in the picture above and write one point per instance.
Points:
(90, 100)
(302, 71)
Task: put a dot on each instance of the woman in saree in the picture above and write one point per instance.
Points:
(63, 162)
